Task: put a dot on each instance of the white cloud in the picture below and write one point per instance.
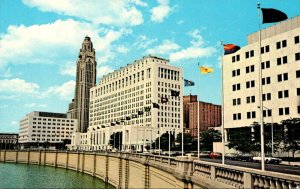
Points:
(179, 22)
(65, 91)
(196, 50)
(122, 49)
(166, 47)
(121, 13)
(63, 38)
(160, 12)
(142, 42)
(103, 70)
(35, 105)
(14, 122)
(68, 68)
(18, 86)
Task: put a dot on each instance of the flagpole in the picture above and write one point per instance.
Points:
(198, 119)
(262, 140)
(181, 124)
(222, 128)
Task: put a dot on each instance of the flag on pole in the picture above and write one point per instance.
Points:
(128, 118)
(147, 109)
(230, 48)
(140, 112)
(164, 99)
(273, 15)
(205, 70)
(118, 122)
(134, 116)
(175, 93)
(112, 124)
(155, 105)
(188, 83)
(102, 126)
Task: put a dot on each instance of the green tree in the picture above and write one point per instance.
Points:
(208, 137)
(116, 140)
(291, 135)
(187, 140)
(241, 139)
(164, 141)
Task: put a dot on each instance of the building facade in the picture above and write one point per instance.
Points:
(278, 59)
(209, 115)
(123, 102)
(8, 140)
(85, 80)
(41, 128)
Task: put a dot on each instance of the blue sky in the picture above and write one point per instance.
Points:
(40, 41)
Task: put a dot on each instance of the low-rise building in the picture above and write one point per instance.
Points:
(8, 140)
(46, 129)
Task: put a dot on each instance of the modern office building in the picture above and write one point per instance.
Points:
(45, 128)
(209, 115)
(85, 80)
(278, 60)
(8, 140)
(123, 102)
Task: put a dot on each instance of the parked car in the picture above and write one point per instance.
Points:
(268, 159)
(215, 155)
(244, 157)
(231, 156)
(204, 154)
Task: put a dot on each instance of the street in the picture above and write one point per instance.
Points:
(288, 169)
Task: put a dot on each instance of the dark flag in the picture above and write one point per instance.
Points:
(118, 122)
(128, 118)
(93, 129)
(102, 126)
(273, 15)
(230, 48)
(98, 127)
(140, 112)
(134, 116)
(112, 124)
(147, 109)
(188, 83)
(175, 93)
(155, 105)
(164, 99)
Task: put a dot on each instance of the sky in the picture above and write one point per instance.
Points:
(40, 42)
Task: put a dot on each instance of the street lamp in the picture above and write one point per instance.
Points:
(272, 134)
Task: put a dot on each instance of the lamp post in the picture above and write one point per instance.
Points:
(272, 131)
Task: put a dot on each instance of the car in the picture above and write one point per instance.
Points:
(215, 155)
(204, 154)
(231, 156)
(268, 159)
(244, 157)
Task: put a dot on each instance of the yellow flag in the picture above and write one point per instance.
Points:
(205, 70)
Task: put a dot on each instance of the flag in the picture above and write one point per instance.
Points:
(230, 48)
(134, 116)
(93, 129)
(175, 93)
(205, 70)
(164, 99)
(112, 124)
(140, 112)
(188, 83)
(155, 105)
(102, 126)
(147, 109)
(128, 118)
(273, 15)
(118, 122)
(98, 127)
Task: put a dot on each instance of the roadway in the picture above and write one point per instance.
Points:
(287, 169)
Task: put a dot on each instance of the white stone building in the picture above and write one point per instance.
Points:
(120, 95)
(280, 68)
(39, 127)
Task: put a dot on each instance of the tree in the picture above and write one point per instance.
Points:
(187, 140)
(116, 140)
(241, 139)
(291, 135)
(208, 137)
(164, 141)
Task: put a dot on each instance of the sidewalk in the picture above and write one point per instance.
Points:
(297, 163)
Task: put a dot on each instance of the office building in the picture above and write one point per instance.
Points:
(45, 128)
(123, 102)
(85, 80)
(209, 115)
(8, 140)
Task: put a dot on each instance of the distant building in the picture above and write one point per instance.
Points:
(209, 115)
(45, 128)
(280, 69)
(8, 140)
(118, 102)
(85, 80)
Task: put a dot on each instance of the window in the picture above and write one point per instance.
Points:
(298, 91)
(252, 53)
(236, 87)
(266, 81)
(250, 84)
(296, 39)
(236, 73)
(251, 115)
(283, 94)
(282, 60)
(250, 69)
(265, 65)
(266, 96)
(278, 46)
(297, 56)
(297, 73)
(281, 44)
(236, 101)
(284, 111)
(267, 113)
(237, 116)
(250, 99)
(282, 77)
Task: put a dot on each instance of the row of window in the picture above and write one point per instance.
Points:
(39, 123)
(266, 113)
(44, 119)
(265, 49)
